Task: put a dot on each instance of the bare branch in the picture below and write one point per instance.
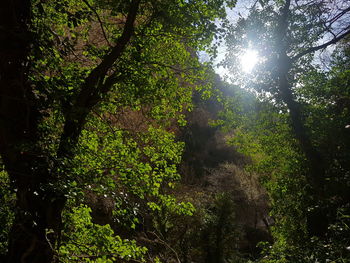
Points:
(162, 242)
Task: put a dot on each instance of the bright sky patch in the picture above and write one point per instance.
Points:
(248, 60)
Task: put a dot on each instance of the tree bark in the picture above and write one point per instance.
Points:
(315, 175)
(317, 221)
(37, 207)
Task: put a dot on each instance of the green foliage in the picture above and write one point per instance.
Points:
(127, 154)
(84, 241)
(220, 234)
(138, 163)
(264, 136)
(7, 200)
(316, 108)
(209, 234)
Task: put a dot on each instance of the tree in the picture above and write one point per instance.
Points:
(302, 166)
(59, 62)
(292, 32)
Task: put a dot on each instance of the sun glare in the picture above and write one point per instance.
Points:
(248, 60)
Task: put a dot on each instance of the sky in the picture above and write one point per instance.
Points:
(233, 14)
(240, 9)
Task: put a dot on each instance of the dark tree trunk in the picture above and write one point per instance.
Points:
(37, 208)
(316, 173)
(284, 64)
(317, 221)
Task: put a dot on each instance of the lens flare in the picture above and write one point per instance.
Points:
(248, 60)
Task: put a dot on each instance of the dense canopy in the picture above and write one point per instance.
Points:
(118, 143)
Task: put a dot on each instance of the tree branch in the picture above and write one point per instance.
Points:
(338, 16)
(99, 20)
(316, 48)
(94, 87)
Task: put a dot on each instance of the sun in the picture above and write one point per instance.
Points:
(248, 60)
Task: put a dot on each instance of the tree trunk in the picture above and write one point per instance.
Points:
(37, 208)
(38, 211)
(317, 221)
(315, 176)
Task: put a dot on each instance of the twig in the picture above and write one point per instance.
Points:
(99, 20)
